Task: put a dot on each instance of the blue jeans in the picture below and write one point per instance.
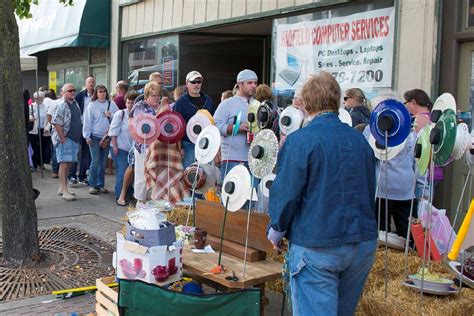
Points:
(84, 161)
(329, 280)
(55, 163)
(121, 164)
(189, 156)
(98, 163)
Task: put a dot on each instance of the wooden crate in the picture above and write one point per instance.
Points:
(106, 298)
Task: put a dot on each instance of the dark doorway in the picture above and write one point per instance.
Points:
(220, 57)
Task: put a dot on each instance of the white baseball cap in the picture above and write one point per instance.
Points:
(193, 75)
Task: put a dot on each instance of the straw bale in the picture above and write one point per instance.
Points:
(402, 300)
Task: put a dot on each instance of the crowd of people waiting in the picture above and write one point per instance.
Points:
(84, 129)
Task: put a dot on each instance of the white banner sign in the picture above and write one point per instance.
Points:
(357, 50)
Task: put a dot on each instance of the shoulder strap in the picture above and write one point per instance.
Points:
(108, 106)
(123, 114)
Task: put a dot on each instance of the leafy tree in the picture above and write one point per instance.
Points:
(17, 207)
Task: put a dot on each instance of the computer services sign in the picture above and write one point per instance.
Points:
(356, 49)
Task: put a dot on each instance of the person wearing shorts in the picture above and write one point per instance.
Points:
(66, 119)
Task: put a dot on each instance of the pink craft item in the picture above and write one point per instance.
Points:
(172, 127)
(144, 128)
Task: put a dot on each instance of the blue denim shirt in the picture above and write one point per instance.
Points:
(323, 194)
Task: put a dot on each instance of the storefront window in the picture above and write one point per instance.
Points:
(470, 14)
(143, 57)
(354, 43)
(75, 75)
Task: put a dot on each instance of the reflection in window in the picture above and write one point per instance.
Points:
(143, 57)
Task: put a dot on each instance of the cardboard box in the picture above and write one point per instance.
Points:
(165, 236)
(136, 262)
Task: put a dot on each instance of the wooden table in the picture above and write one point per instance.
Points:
(256, 273)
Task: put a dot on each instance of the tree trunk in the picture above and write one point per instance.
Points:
(17, 207)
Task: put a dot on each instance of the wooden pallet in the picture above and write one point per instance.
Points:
(106, 297)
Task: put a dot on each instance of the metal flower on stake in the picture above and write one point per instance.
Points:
(235, 192)
(262, 158)
(144, 128)
(252, 119)
(291, 119)
(390, 126)
(197, 123)
(208, 143)
(172, 129)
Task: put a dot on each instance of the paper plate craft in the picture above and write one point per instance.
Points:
(172, 127)
(207, 144)
(442, 103)
(196, 124)
(423, 150)
(428, 289)
(190, 174)
(266, 184)
(443, 137)
(291, 119)
(468, 271)
(144, 128)
(208, 115)
(345, 117)
(393, 240)
(470, 152)
(266, 115)
(385, 153)
(236, 188)
(207, 177)
(462, 142)
(237, 121)
(392, 117)
(263, 153)
(430, 281)
(252, 116)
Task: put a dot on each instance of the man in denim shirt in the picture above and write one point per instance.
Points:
(322, 200)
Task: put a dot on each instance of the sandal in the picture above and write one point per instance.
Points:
(121, 203)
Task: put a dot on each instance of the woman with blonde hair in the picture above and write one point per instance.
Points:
(149, 105)
(327, 173)
(357, 105)
(263, 93)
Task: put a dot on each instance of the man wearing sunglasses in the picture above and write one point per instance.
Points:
(187, 105)
(66, 119)
(83, 98)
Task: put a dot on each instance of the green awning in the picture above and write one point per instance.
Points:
(53, 25)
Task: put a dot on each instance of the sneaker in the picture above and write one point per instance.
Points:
(61, 193)
(72, 181)
(54, 175)
(68, 196)
(93, 191)
(84, 182)
(103, 190)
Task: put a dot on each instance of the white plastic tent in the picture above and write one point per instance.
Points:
(28, 63)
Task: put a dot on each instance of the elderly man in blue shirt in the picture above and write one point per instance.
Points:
(322, 200)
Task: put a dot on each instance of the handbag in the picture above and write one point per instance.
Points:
(105, 140)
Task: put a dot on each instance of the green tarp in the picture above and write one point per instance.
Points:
(137, 298)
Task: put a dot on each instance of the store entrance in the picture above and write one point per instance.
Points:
(219, 55)
(457, 172)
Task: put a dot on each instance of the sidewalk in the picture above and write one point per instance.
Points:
(101, 217)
